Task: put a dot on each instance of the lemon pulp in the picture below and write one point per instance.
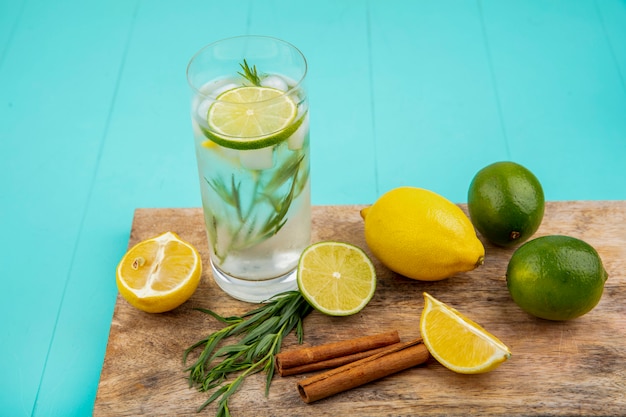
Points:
(159, 274)
(457, 342)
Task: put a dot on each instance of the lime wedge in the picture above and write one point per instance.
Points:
(251, 117)
(336, 278)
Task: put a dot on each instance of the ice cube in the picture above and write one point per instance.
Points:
(296, 140)
(196, 128)
(262, 158)
(203, 109)
(231, 154)
(223, 89)
(274, 81)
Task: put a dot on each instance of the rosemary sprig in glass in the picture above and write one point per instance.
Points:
(247, 225)
(250, 73)
(261, 333)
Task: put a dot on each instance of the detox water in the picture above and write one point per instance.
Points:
(256, 202)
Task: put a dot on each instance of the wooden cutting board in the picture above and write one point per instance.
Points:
(557, 368)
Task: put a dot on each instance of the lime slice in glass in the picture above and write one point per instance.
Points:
(251, 117)
(336, 278)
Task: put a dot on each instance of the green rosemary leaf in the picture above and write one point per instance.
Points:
(223, 410)
(215, 396)
(300, 332)
(225, 350)
(263, 330)
(221, 189)
(251, 322)
(278, 219)
(235, 193)
(227, 320)
(260, 330)
(264, 309)
(284, 174)
(264, 345)
(289, 311)
(192, 348)
(250, 73)
(211, 383)
(269, 371)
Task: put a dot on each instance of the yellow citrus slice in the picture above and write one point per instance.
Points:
(336, 278)
(251, 117)
(159, 274)
(457, 342)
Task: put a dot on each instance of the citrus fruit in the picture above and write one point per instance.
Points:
(556, 277)
(251, 117)
(506, 203)
(421, 235)
(457, 342)
(336, 278)
(159, 274)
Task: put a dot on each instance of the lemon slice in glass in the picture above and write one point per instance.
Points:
(159, 274)
(336, 278)
(251, 117)
(457, 342)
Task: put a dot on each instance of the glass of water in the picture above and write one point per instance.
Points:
(250, 118)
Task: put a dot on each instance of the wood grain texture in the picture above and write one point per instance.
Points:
(570, 368)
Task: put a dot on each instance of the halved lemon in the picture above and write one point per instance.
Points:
(159, 274)
(251, 117)
(336, 278)
(457, 342)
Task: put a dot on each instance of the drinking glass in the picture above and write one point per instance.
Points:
(250, 118)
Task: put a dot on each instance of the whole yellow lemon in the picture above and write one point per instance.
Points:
(421, 235)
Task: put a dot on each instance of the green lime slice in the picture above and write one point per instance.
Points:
(251, 117)
(336, 278)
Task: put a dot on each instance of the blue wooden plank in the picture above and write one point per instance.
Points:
(147, 160)
(562, 95)
(436, 109)
(56, 83)
(10, 14)
(333, 35)
(612, 15)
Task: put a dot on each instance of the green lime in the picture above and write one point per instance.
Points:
(336, 278)
(251, 117)
(506, 203)
(556, 277)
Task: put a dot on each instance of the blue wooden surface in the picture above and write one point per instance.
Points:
(94, 123)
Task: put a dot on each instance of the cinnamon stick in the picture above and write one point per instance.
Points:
(331, 363)
(331, 355)
(395, 359)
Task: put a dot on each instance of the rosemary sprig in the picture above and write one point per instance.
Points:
(250, 73)
(261, 333)
(248, 225)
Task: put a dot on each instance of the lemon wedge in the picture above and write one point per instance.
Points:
(457, 342)
(159, 274)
